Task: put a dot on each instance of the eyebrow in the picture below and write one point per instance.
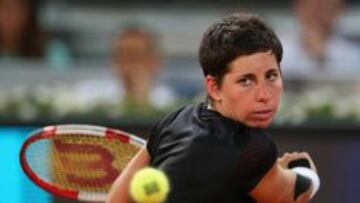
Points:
(273, 70)
(252, 75)
(247, 75)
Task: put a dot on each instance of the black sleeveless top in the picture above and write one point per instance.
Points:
(208, 157)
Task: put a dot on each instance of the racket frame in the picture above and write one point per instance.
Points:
(59, 130)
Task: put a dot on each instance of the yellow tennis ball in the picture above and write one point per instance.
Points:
(149, 185)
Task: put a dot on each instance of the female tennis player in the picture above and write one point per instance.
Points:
(218, 150)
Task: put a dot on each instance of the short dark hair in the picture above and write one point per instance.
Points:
(238, 34)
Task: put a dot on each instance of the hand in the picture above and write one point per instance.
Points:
(288, 157)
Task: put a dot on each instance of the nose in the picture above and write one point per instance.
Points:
(263, 93)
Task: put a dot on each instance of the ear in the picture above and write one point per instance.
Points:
(212, 88)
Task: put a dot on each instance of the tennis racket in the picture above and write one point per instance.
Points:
(77, 161)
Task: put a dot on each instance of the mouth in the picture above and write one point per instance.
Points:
(263, 115)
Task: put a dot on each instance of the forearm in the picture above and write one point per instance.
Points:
(302, 167)
(303, 183)
(278, 185)
(294, 190)
(119, 192)
(307, 181)
(275, 186)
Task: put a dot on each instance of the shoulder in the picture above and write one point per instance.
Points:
(177, 117)
(171, 130)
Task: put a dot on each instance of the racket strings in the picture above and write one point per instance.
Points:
(80, 162)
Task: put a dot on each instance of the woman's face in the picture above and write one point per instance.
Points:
(250, 92)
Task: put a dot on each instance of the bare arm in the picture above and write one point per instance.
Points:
(119, 192)
(279, 183)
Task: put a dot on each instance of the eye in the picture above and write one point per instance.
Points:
(246, 81)
(272, 76)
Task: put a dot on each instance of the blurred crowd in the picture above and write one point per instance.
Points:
(137, 61)
(20, 32)
(318, 46)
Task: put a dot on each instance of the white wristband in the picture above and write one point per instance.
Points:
(307, 172)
